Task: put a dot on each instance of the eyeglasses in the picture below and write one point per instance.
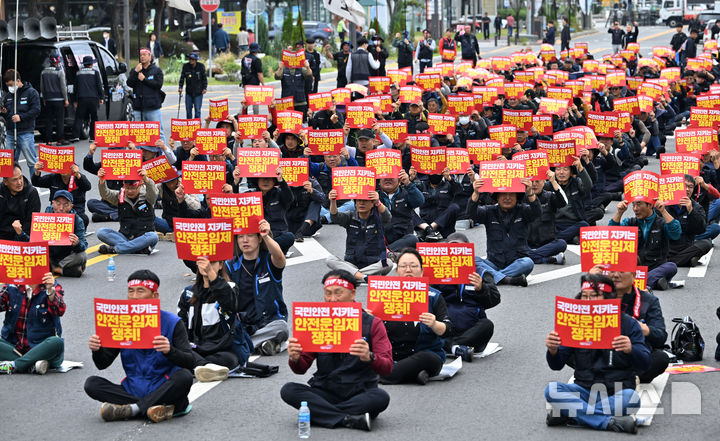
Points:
(411, 266)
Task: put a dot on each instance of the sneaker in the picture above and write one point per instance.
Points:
(211, 372)
(626, 424)
(676, 285)
(422, 377)
(269, 348)
(299, 237)
(105, 249)
(40, 367)
(7, 367)
(662, 284)
(359, 422)
(160, 413)
(553, 421)
(170, 237)
(432, 236)
(147, 251)
(464, 352)
(694, 261)
(115, 412)
(560, 259)
(520, 280)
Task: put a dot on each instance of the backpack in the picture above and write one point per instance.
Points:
(686, 342)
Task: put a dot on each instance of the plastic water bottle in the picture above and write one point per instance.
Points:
(304, 421)
(111, 270)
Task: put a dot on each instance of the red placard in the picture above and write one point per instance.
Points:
(484, 149)
(428, 160)
(515, 90)
(584, 137)
(680, 163)
(552, 106)
(258, 163)
(53, 228)
(326, 142)
(543, 124)
(560, 93)
(288, 121)
(184, 129)
(144, 132)
(386, 102)
(559, 153)
(353, 182)
(327, 326)
(127, 324)
(457, 160)
(245, 210)
(536, 163)
(703, 117)
(379, 85)
(709, 100)
(56, 159)
(359, 115)
(112, 133)
(219, 109)
(604, 124)
(629, 104)
(521, 118)
(259, 95)
(696, 140)
(447, 263)
(386, 163)
(615, 247)
(160, 170)
(341, 96)
(210, 238)
(252, 126)
(396, 130)
(641, 273)
(428, 82)
(652, 90)
(200, 177)
(320, 101)
(461, 104)
(295, 171)
(287, 103)
(441, 124)
(418, 139)
(398, 299)
(410, 94)
(293, 60)
(642, 186)
(211, 141)
(505, 133)
(587, 324)
(6, 163)
(23, 263)
(121, 164)
(672, 189)
(615, 79)
(502, 176)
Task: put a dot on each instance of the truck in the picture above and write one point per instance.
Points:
(677, 12)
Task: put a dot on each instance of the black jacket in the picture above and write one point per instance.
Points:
(649, 311)
(550, 35)
(565, 34)
(17, 207)
(89, 84)
(195, 77)
(677, 41)
(54, 182)
(469, 44)
(617, 35)
(147, 94)
(542, 228)
(466, 305)
(28, 108)
(692, 224)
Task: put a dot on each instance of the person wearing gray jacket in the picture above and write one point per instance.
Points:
(53, 93)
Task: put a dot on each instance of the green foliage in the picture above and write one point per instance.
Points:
(287, 29)
(298, 30)
(397, 22)
(269, 65)
(263, 38)
(172, 69)
(507, 11)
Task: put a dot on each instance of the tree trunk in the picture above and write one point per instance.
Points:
(158, 22)
(243, 18)
(115, 13)
(60, 8)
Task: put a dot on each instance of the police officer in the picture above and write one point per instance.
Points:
(193, 74)
(53, 92)
(88, 97)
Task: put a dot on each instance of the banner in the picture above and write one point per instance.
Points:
(502, 176)
(258, 163)
(457, 160)
(341, 96)
(127, 324)
(641, 278)
(320, 101)
(288, 121)
(559, 153)
(522, 118)
(211, 141)
(23, 263)
(293, 60)
(210, 238)
(121, 164)
(698, 140)
(428, 82)
(200, 177)
(461, 104)
(505, 133)
(287, 103)
(428, 160)
(252, 126)
(385, 163)
(6, 163)
(245, 210)
(56, 159)
(53, 228)
(552, 106)
(295, 171)
(396, 130)
(358, 116)
(672, 189)
(536, 163)
(614, 247)
(378, 85)
(398, 299)
(484, 150)
(441, 124)
(642, 186)
(447, 263)
(184, 129)
(326, 142)
(112, 133)
(160, 170)
(325, 326)
(682, 163)
(587, 324)
(219, 109)
(259, 95)
(702, 117)
(543, 124)
(353, 182)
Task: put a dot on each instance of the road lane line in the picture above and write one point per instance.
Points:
(534, 279)
(311, 251)
(199, 389)
(98, 259)
(699, 271)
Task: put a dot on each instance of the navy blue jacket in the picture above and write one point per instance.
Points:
(41, 324)
(28, 108)
(466, 305)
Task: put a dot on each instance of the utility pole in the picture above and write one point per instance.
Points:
(126, 31)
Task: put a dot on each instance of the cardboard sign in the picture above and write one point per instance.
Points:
(615, 247)
(320, 101)
(536, 163)
(385, 163)
(160, 170)
(641, 273)
(219, 109)
(690, 369)
(672, 189)
(200, 177)
(552, 106)
(326, 142)
(399, 76)
(629, 104)
(461, 104)
(6, 163)
(428, 160)
(288, 121)
(23, 263)
(287, 103)
(56, 159)
(697, 140)
(587, 324)
(505, 133)
(396, 130)
(293, 60)
(258, 163)
(560, 93)
(245, 210)
(295, 171)
(543, 124)
(327, 327)
(211, 141)
(211, 238)
(53, 228)
(341, 96)
(184, 129)
(642, 186)
(447, 263)
(441, 124)
(399, 299)
(522, 118)
(428, 82)
(604, 124)
(144, 132)
(680, 163)
(259, 95)
(127, 324)
(410, 94)
(457, 160)
(502, 176)
(112, 133)
(703, 117)
(559, 153)
(359, 116)
(378, 85)
(252, 126)
(484, 149)
(121, 164)
(353, 182)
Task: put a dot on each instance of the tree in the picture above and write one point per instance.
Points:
(262, 34)
(298, 30)
(287, 29)
(398, 10)
(159, 6)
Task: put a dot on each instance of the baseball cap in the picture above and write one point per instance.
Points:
(63, 194)
(194, 56)
(366, 133)
(88, 59)
(254, 47)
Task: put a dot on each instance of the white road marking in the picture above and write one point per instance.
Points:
(534, 279)
(701, 269)
(650, 396)
(44, 192)
(199, 389)
(575, 249)
(311, 251)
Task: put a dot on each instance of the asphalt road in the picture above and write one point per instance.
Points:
(500, 397)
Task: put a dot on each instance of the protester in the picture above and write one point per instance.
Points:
(194, 78)
(101, 209)
(146, 81)
(313, 58)
(360, 63)
(448, 47)
(341, 58)
(54, 95)
(20, 123)
(424, 51)
(631, 34)
(401, 197)
(379, 53)
(89, 94)
(576, 184)
(404, 49)
(292, 82)
(469, 44)
(545, 247)
(18, 201)
(618, 35)
(687, 249)
(550, 33)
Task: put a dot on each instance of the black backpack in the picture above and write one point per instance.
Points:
(687, 343)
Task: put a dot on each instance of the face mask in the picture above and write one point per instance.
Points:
(464, 120)
(11, 89)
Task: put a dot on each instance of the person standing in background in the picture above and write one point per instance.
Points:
(109, 43)
(53, 92)
(242, 39)
(486, 26)
(194, 77)
(424, 51)
(155, 48)
(631, 34)
(89, 96)
(565, 35)
(510, 24)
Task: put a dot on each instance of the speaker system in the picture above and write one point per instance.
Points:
(11, 30)
(31, 28)
(3, 30)
(48, 28)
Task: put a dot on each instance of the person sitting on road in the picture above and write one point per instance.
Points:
(576, 184)
(18, 201)
(303, 216)
(31, 333)
(187, 152)
(401, 197)
(595, 368)
(102, 210)
(545, 247)
(687, 249)
(439, 213)
(157, 381)
(277, 199)
(75, 183)
(322, 171)
(344, 391)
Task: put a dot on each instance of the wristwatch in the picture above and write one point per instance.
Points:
(372, 357)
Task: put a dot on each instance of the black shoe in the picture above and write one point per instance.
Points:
(422, 377)
(694, 261)
(97, 217)
(625, 424)
(431, 235)
(147, 251)
(464, 352)
(662, 284)
(359, 422)
(323, 220)
(576, 240)
(299, 237)
(554, 421)
(617, 196)
(520, 280)
(104, 249)
(73, 271)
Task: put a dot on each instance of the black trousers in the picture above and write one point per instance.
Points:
(564, 45)
(55, 120)
(486, 31)
(407, 369)
(659, 361)
(478, 336)
(223, 358)
(446, 219)
(328, 409)
(683, 256)
(86, 108)
(406, 241)
(174, 391)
